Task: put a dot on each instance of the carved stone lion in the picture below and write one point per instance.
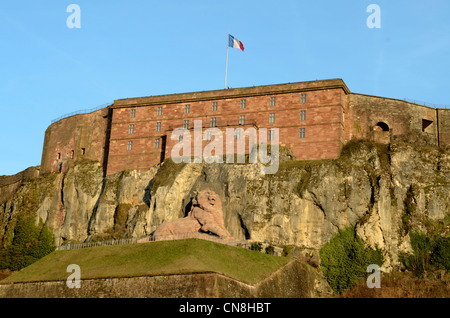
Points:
(205, 216)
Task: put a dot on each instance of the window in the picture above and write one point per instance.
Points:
(273, 101)
(214, 106)
(243, 102)
(425, 124)
(242, 120)
(302, 98)
(271, 118)
(271, 134)
(130, 145)
(302, 133)
(180, 139)
(157, 143)
(131, 129)
(380, 126)
(302, 115)
(187, 108)
(59, 156)
(159, 111)
(83, 151)
(186, 124)
(158, 126)
(72, 153)
(213, 122)
(208, 135)
(133, 113)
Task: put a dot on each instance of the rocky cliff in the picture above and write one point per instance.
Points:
(384, 191)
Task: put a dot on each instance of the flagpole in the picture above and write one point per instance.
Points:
(226, 68)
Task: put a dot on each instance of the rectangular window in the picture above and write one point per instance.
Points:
(157, 143)
(59, 155)
(271, 118)
(158, 126)
(271, 134)
(214, 106)
(83, 151)
(180, 139)
(243, 102)
(130, 145)
(131, 129)
(159, 111)
(302, 133)
(187, 108)
(186, 124)
(302, 115)
(273, 101)
(242, 120)
(302, 98)
(213, 122)
(133, 113)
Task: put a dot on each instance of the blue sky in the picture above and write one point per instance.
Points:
(139, 48)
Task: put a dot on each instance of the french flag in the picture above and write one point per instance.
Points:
(235, 43)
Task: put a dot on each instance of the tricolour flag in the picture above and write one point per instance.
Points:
(235, 43)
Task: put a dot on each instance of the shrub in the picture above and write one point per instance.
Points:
(419, 261)
(270, 250)
(429, 253)
(256, 246)
(30, 242)
(286, 250)
(440, 257)
(344, 259)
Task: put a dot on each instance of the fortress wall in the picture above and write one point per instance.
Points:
(323, 123)
(444, 127)
(83, 134)
(333, 117)
(405, 120)
(9, 184)
(296, 279)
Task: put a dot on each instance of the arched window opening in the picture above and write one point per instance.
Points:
(380, 126)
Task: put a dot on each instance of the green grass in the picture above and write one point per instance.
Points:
(154, 258)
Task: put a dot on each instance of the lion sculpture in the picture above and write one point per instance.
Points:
(205, 216)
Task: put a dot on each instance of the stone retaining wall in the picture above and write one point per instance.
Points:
(295, 279)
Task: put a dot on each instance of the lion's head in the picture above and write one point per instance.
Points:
(209, 201)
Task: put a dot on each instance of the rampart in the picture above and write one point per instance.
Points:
(82, 136)
(314, 119)
(9, 184)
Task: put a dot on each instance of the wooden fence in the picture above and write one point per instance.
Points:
(169, 237)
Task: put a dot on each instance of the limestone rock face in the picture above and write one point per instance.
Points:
(382, 191)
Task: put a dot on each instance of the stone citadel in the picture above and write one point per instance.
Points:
(315, 119)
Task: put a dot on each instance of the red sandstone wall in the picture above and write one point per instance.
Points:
(75, 133)
(444, 127)
(333, 117)
(403, 118)
(323, 124)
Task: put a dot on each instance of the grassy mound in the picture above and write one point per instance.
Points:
(154, 258)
